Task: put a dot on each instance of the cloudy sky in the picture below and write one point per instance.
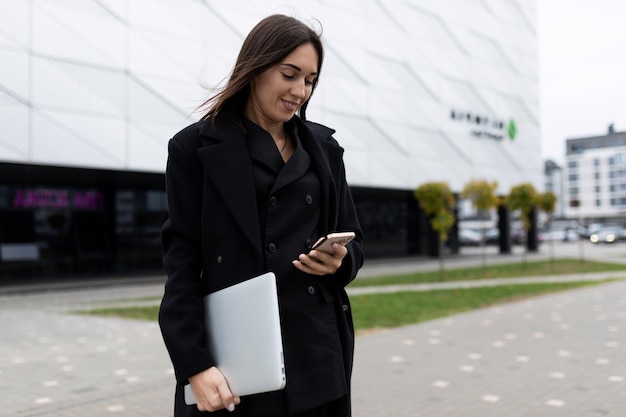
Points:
(582, 70)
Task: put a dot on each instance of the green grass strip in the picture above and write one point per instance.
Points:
(150, 313)
(381, 311)
(511, 270)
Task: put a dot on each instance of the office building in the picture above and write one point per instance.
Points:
(596, 178)
(91, 91)
(554, 183)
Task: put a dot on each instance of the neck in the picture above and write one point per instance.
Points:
(276, 129)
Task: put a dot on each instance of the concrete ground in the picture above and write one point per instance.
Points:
(554, 355)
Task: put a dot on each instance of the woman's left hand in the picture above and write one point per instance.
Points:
(318, 262)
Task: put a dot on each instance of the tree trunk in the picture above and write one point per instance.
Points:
(441, 264)
(483, 250)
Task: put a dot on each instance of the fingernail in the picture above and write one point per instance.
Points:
(231, 407)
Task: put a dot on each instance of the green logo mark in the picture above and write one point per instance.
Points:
(512, 129)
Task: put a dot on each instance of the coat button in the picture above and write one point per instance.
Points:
(273, 201)
(271, 247)
(308, 199)
(345, 307)
(310, 289)
(219, 259)
(308, 243)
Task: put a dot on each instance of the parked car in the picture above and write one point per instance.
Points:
(595, 227)
(559, 235)
(492, 236)
(607, 235)
(469, 237)
(519, 236)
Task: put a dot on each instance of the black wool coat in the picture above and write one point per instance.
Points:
(212, 238)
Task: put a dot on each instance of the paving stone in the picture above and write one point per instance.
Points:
(553, 355)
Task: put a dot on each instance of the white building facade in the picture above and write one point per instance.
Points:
(418, 90)
(554, 183)
(596, 178)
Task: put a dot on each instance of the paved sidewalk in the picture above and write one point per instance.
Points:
(555, 355)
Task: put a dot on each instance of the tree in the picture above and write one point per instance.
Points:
(484, 198)
(547, 202)
(523, 197)
(437, 201)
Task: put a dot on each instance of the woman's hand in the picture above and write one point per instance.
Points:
(318, 262)
(211, 391)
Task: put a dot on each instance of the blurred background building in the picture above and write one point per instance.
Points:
(91, 91)
(596, 178)
(554, 183)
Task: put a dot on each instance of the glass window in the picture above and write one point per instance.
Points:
(390, 235)
(139, 217)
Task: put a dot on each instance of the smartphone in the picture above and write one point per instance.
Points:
(324, 243)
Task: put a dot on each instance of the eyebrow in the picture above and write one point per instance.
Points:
(297, 68)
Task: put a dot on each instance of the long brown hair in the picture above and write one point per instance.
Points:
(267, 44)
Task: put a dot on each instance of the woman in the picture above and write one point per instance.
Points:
(250, 187)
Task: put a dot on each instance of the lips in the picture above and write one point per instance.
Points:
(290, 105)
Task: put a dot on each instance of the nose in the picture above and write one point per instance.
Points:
(299, 89)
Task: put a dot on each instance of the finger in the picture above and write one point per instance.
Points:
(209, 402)
(300, 265)
(207, 383)
(336, 249)
(215, 401)
(322, 257)
(226, 397)
(330, 262)
(312, 266)
(339, 250)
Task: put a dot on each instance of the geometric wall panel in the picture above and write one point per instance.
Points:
(417, 90)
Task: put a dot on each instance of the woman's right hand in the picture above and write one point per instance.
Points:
(211, 391)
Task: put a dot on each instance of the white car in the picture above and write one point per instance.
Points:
(559, 235)
(469, 237)
(607, 235)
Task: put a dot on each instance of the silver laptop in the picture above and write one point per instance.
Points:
(244, 335)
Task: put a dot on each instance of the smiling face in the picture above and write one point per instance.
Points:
(278, 93)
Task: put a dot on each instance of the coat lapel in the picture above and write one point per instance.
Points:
(299, 163)
(319, 159)
(227, 165)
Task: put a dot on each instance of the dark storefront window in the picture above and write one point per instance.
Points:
(63, 222)
(64, 231)
(139, 216)
(51, 230)
(384, 217)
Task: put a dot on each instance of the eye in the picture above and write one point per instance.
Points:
(309, 82)
(287, 76)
